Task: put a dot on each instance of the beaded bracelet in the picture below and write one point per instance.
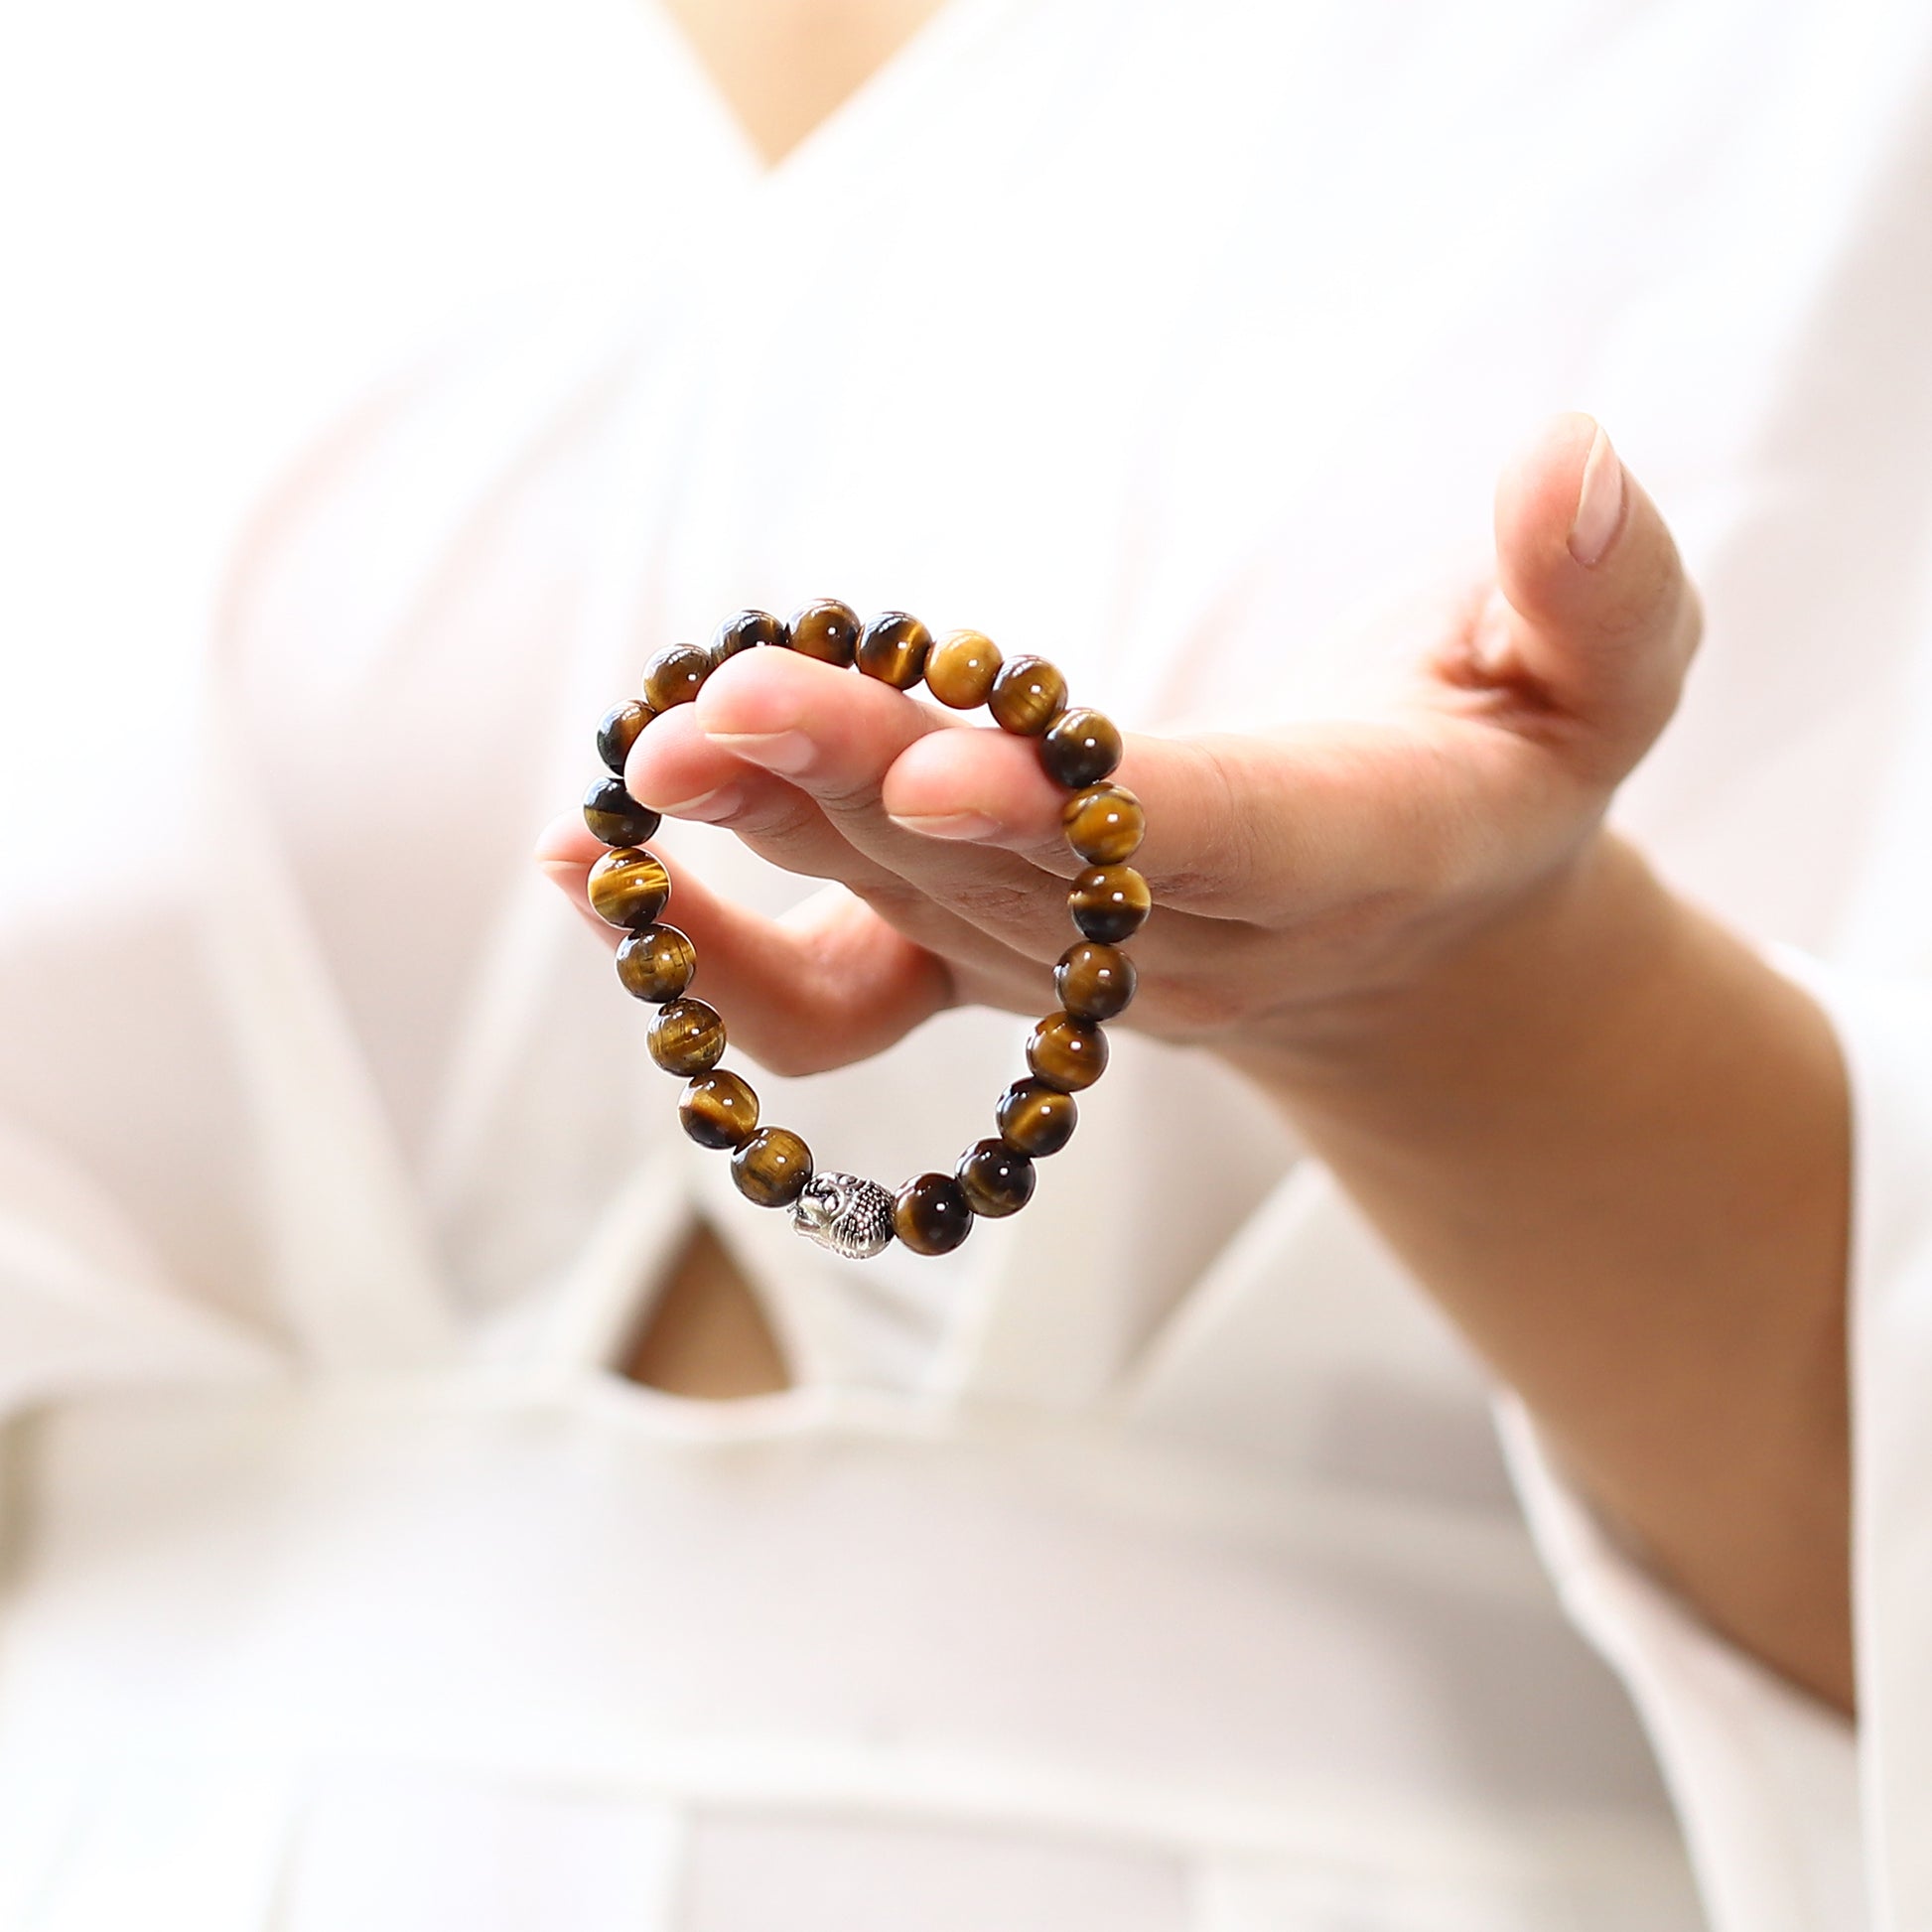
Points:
(932, 1213)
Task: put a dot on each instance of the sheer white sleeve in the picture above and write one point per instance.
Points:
(1797, 1820)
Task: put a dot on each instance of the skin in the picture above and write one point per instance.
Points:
(1609, 1140)
(784, 67)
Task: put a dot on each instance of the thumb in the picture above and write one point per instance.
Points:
(1594, 613)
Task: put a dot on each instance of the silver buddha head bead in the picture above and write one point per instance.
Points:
(840, 1211)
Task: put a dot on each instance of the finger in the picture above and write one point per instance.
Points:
(984, 970)
(834, 737)
(986, 787)
(829, 732)
(1596, 613)
(1266, 828)
(829, 984)
(677, 768)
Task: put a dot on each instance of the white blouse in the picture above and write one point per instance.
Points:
(1149, 1563)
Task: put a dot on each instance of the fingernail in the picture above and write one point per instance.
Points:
(708, 806)
(786, 752)
(1599, 504)
(950, 825)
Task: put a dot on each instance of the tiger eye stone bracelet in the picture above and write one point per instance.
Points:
(932, 1213)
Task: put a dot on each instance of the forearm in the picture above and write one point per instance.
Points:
(1614, 1145)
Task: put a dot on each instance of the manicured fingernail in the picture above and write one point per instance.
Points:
(708, 806)
(1599, 504)
(951, 825)
(786, 752)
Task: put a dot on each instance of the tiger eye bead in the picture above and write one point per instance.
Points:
(718, 1109)
(1027, 696)
(961, 668)
(1036, 1119)
(616, 818)
(629, 887)
(1066, 1051)
(675, 676)
(687, 1038)
(826, 630)
(773, 1167)
(656, 963)
(995, 1178)
(619, 732)
(930, 1214)
(1079, 747)
(1108, 903)
(1094, 981)
(745, 630)
(893, 647)
(1104, 824)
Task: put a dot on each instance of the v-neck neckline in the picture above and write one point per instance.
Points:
(945, 33)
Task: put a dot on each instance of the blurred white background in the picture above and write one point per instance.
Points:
(220, 222)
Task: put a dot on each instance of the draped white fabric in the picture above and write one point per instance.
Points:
(1149, 1563)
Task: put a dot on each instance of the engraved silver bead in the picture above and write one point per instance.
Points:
(840, 1211)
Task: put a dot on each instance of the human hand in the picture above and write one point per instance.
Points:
(1313, 885)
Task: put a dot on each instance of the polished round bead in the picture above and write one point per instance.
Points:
(745, 630)
(616, 818)
(619, 732)
(961, 667)
(995, 1178)
(718, 1109)
(675, 676)
(773, 1167)
(1066, 1051)
(1094, 981)
(1104, 824)
(687, 1038)
(1027, 696)
(893, 647)
(826, 630)
(1079, 747)
(930, 1215)
(656, 963)
(629, 887)
(1036, 1119)
(1108, 902)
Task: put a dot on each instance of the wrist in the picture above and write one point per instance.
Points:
(1583, 952)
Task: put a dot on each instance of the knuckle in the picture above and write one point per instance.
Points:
(1232, 834)
(992, 903)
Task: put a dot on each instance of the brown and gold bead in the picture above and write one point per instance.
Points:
(745, 630)
(773, 1167)
(620, 730)
(629, 887)
(1094, 981)
(718, 1109)
(675, 676)
(1079, 747)
(656, 963)
(1027, 696)
(893, 647)
(1104, 824)
(616, 818)
(961, 667)
(1036, 1119)
(686, 1037)
(1108, 903)
(1068, 1053)
(996, 1180)
(826, 630)
(930, 1214)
